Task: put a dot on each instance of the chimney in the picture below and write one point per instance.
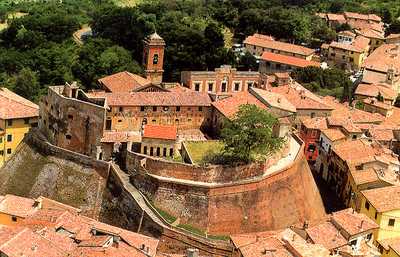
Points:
(192, 252)
(305, 224)
(362, 223)
(279, 99)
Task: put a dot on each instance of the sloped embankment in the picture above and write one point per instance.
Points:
(30, 173)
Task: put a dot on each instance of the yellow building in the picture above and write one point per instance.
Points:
(383, 206)
(349, 52)
(17, 116)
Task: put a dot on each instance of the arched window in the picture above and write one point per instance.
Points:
(155, 59)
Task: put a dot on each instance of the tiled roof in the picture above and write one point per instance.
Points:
(378, 104)
(120, 136)
(230, 106)
(347, 33)
(373, 90)
(364, 176)
(393, 243)
(370, 33)
(314, 123)
(300, 97)
(262, 41)
(273, 99)
(383, 58)
(374, 77)
(13, 106)
(123, 82)
(342, 110)
(394, 119)
(360, 44)
(393, 36)
(160, 132)
(327, 235)
(335, 17)
(158, 99)
(333, 134)
(352, 222)
(359, 24)
(288, 60)
(384, 199)
(17, 206)
(381, 134)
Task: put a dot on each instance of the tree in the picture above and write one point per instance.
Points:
(249, 135)
(248, 62)
(394, 28)
(26, 84)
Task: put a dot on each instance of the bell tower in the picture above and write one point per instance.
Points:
(153, 57)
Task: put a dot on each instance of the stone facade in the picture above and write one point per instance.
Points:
(71, 122)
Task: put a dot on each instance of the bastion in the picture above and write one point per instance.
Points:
(224, 200)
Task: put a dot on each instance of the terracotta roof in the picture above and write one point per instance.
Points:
(158, 99)
(273, 99)
(360, 44)
(378, 104)
(262, 41)
(347, 33)
(394, 119)
(230, 106)
(352, 222)
(393, 243)
(384, 199)
(358, 16)
(300, 97)
(357, 116)
(335, 17)
(393, 36)
(360, 24)
(327, 235)
(160, 132)
(288, 60)
(373, 90)
(120, 136)
(383, 58)
(366, 176)
(123, 82)
(282, 75)
(13, 106)
(333, 134)
(314, 123)
(17, 206)
(381, 134)
(370, 33)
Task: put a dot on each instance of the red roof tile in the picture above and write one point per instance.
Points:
(327, 235)
(384, 199)
(13, 106)
(268, 42)
(160, 132)
(352, 222)
(288, 60)
(372, 90)
(123, 82)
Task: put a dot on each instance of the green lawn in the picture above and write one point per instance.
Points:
(200, 151)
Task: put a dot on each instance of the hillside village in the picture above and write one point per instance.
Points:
(222, 162)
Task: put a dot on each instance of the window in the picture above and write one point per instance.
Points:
(178, 108)
(26, 121)
(158, 151)
(278, 66)
(142, 108)
(366, 205)
(177, 120)
(197, 87)
(154, 108)
(171, 152)
(9, 122)
(154, 120)
(121, 109)
(68, 137)
(223, 87)
(391, 222)
(369, 236)
(312, 115)
(70, 117)
(210, 87)
(164, 152)
(353, 242)
(200, 108)
(14, 218)
(333, 54)
(151, 151)
(376, 214)
(155, 59)
(145, 149)
(109, 109)
(119, 120)
(108, 124)
(1, 152)
(237, 85)
(9, 138)
(354, 137)
(9, 151)
(1, 140)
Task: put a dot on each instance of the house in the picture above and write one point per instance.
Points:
(382, 205)
(159, 140)
(44, 227)
(257, 44)
(349, 52)
(374, 106)
(272, 63)
(354, 20)
(123, 82)
(222, 80)
(376, 38)
(393, 39)
(17, 116)
(364, 91)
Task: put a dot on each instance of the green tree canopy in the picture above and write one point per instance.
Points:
(249, 135)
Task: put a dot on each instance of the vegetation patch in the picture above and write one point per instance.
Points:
(201, 152)
(168, 217)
